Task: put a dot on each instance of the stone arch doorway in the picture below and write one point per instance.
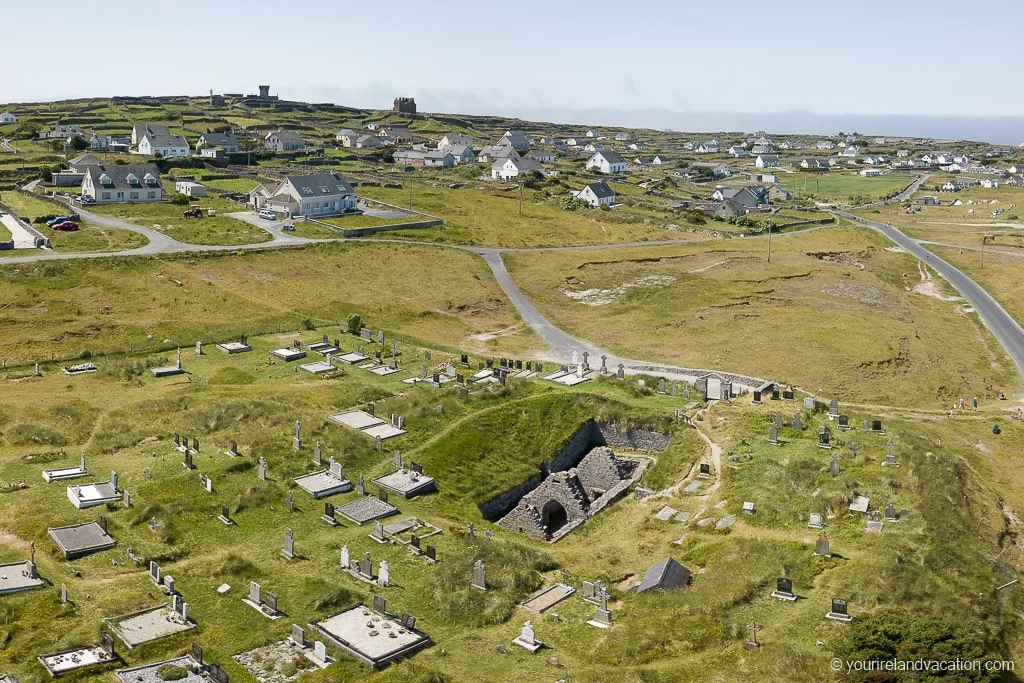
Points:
(553, 516)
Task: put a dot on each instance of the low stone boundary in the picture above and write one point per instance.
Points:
(749, 382)
(362, 232)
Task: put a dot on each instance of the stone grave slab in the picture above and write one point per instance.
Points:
(406, 483)
(16, 577)
(234, 347)
(148, 625)
(547, 597)
(665, 514)
(356, 419)
(374, 639)
(317, 367)
(79, 540)
(62, 662)
(147, 673)
(366, 509)
(288, 354)
(323, 483)
(351, 358)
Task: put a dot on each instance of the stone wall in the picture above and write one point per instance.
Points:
(590, 435)
(598, 471)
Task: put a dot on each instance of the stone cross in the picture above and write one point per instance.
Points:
(297, 441)
(345, 559)
(261, 472)
(821, 544)
(384, 575)
(833, 466)
(317, 457)
(288, 551)
(178, 363)
(752, 644)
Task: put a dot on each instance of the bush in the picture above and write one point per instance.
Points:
(181, 199)
(354, 323)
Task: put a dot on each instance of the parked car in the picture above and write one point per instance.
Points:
(288, 227)
(87, 199)
(57, 219)
(66, 226)
(268, 215)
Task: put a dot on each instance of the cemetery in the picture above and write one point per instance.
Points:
(458, 526)
(19, 576)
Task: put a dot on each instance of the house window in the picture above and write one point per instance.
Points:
(151, 194)
(106, 195)
(120, 195)
(134, 195)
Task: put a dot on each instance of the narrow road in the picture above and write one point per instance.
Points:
(1006, 330)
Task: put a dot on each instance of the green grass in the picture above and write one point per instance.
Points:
(167, 218)
(87, 239)
(65, 308)
(842, 184)
(233, 184)
(838, 296)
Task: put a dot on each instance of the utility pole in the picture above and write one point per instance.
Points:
(520, 197)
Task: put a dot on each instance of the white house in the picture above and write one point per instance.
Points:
(517, 138)
(122, 183)
(903, 153)
(542, 156)
(871, 172)
(190, 188)
(591, 133)
(989, 183)
(767, 161)
(607, 162)
(659, 161)
(463, 153)
(8, 117)
(850, 152)
(636, 146)
(511, 167)
(597, 195)
(452, 139)
(721, 171)
(439, 157)
(710, 147)
(738, 152)
(317, 194)
(952, 186)
(622, 137)
(593, 148)
(163, 145)
(825, 144)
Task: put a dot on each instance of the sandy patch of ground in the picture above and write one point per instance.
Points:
(602, 297)
(929, 287)
(848, 290)
(488, 336)
(896, 250)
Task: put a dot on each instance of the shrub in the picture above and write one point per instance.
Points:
(181, 199)
(354, 323)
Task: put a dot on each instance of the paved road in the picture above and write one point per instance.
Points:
(995, 317)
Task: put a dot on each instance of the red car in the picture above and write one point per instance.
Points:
(65, 226)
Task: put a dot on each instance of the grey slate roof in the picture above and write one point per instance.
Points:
(611, 156)
(285, 136)
(158, 140)
(320, 184)
(85, 160)
(119, 175)
(221, 139)
(601, 190)
(141, 129)
(664, 575)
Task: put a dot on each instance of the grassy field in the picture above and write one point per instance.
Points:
(65, 308)
(87, 239)
(5, 234)
(124, 419)
(167, 218)
(233, 184)
(835, 313)
(489, 217)
(957, 224)
(842, 185)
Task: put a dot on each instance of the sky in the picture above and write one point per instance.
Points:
(875, 57)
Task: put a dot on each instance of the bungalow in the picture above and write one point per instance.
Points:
(190, 188)
(452, 139)
(640, 161)
(738, 152)
(8, 117)
(815, 164)
(593, 148)
(850, 152)
(139, 130)
(708, 147)
(80, 163)
(622, 137)
(405, 157)
(659, 161)
(317, 194)
(494, 152)
(636, 146)
(903, 153)
(929, 200)
(1014, 181)
(952, 186)
(871, 172)
(463, 153)
(762, 149)
(825, 144)
(163, 145)
(517, 138)
(1016, 169)
(607, 162)
(597, 195)
(511, 167)
(767, 161)
(398, 134)
(116, 183)
(439, 157)
(591, 134)
(730, 209)
(541, 156)
(61, 130)
(217, 144)
(573, 142)
(688, 146)
(989, 183)
(368, 142)
(284, 141)
(750, 197)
